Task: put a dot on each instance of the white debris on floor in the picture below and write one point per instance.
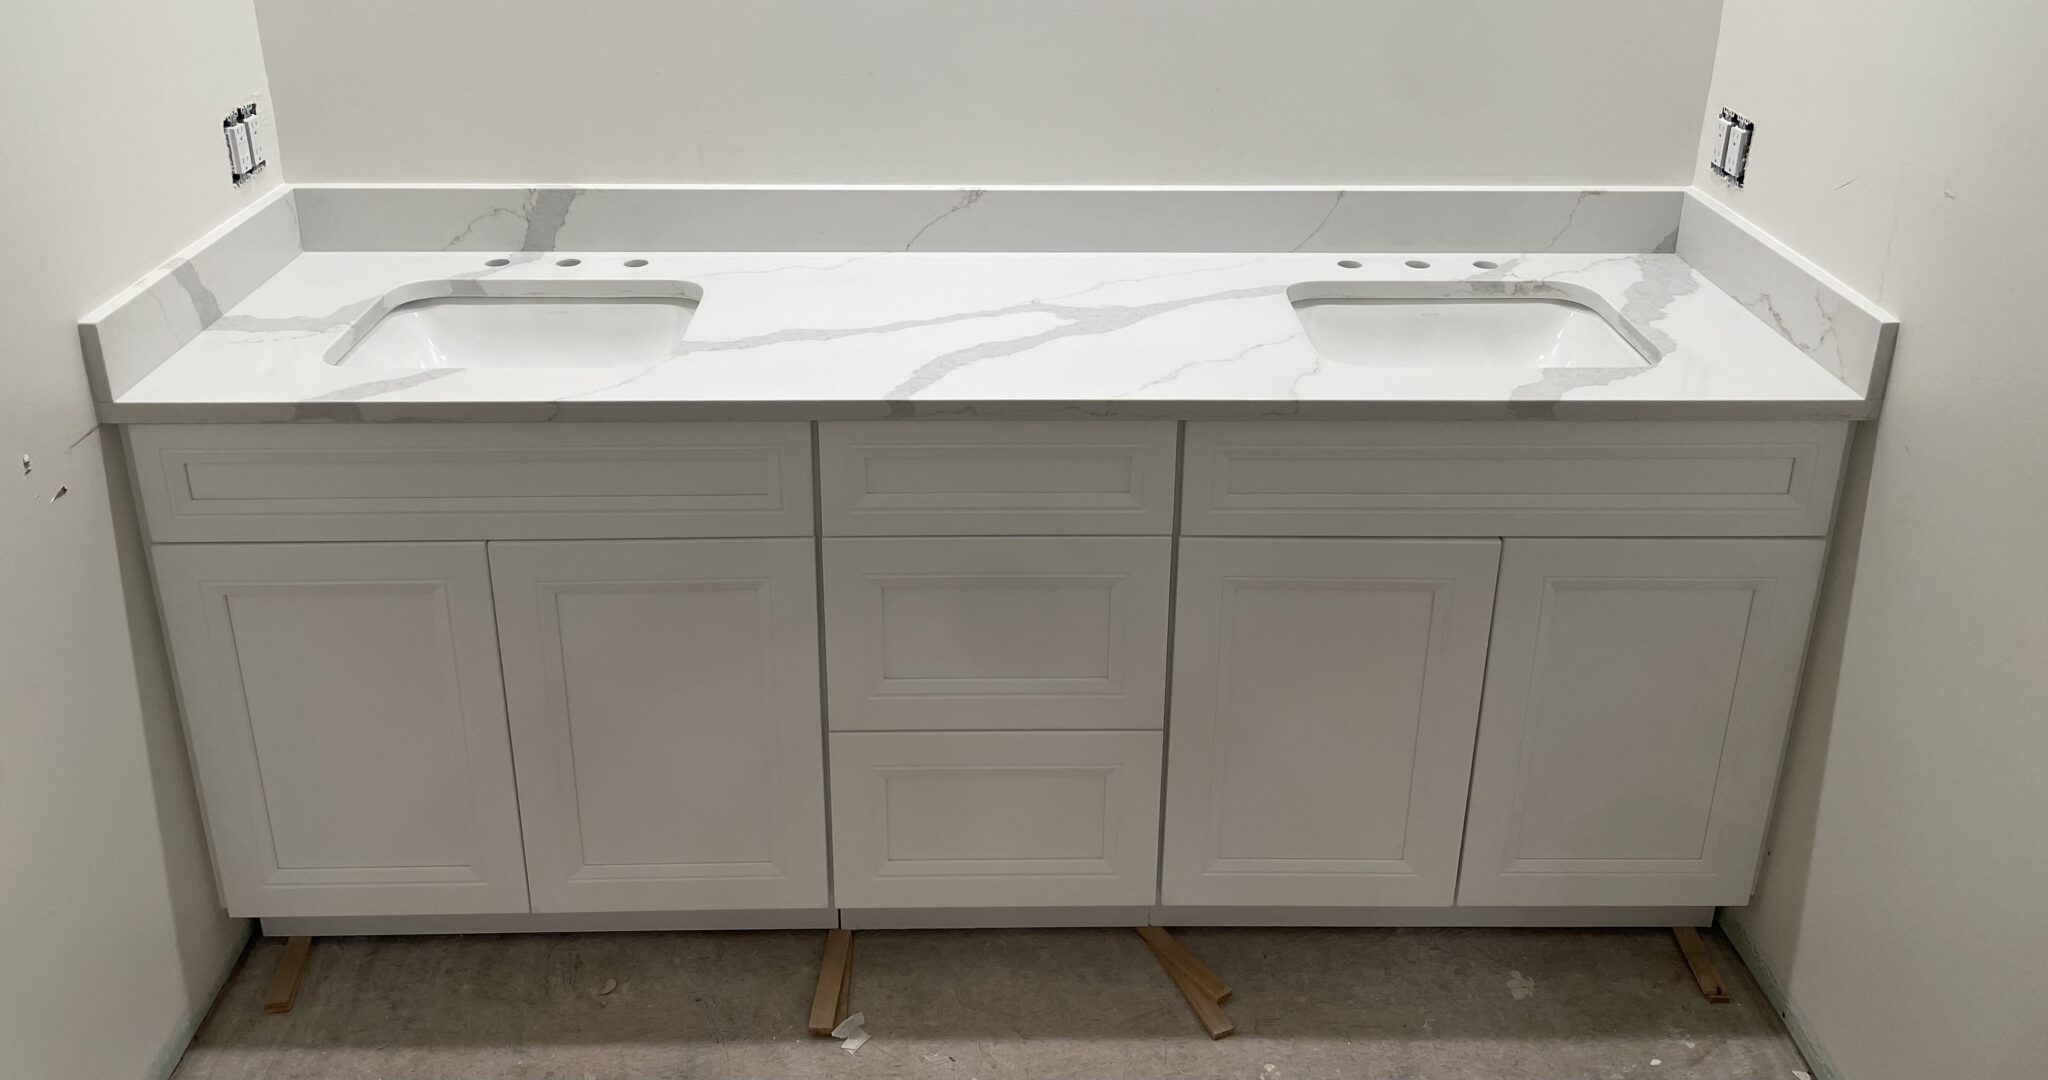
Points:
(851, 1031)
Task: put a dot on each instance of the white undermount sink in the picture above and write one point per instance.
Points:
(539, 331)
(1468, 332)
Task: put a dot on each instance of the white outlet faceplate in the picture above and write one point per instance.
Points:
(1730, 150)
(247, 153)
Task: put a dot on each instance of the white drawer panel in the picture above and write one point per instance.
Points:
(994, 633)
(996, 477)
(1512, 479)
(211, 482)
(995, 818)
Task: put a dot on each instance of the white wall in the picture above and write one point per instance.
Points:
(1900, 145)
(111, 942)
(1300, 92)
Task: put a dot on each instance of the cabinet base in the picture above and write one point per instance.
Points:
(571, 922)
(991, 918)
(1433, 916)
(979, 918)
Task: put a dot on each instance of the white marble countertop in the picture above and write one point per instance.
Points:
(835, 336)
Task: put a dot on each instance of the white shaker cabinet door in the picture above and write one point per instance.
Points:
(1636, 704)
(347, 726)
(1325, 694)
(664, 701)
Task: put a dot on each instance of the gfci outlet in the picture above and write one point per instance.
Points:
(1730, 151)
(243, 131)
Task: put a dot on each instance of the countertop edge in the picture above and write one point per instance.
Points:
(711, 411)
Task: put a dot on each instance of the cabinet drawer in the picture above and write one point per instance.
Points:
(995, 818)
(1512, 479)
(207, 482)
(996, 633)
(950, 478)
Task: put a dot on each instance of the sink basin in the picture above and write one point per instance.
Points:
(1490, 332)
(556, 331)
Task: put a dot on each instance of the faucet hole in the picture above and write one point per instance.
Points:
(636, 262)
(1487, 264)
(1349, 264)
(1418, 264)
(497, 262)
(568, 262)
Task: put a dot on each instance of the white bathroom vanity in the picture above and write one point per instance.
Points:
(586, 587)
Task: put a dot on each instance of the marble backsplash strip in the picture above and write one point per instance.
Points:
(126, 338)
(1507, 220)
(1844, 333)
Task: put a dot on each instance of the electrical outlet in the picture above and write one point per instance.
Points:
(244, 135)
(1730, 159)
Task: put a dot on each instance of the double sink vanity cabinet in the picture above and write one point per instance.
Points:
(949, 672)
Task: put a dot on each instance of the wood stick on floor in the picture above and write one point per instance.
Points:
(1200, 999)
(1702, 964)
(1169, 950)
(284, 982)
(835, 983)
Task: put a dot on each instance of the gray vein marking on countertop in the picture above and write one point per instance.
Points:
(1765, 307)
(546, 209)
(967, 198)
(332, 320)
(1554, 382)
(1665, 279)
(477, 222)
(1081, 322)
(1570, 218)
(1183, 369)
(383, 386)
(1323, 224)
(204, 303)
(1144, 278)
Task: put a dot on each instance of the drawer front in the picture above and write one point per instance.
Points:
(991, 633)
(1512, 479)
(995, 818)
(213, 482)
(989, 477)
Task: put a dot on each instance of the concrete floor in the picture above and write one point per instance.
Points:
(995, 1004)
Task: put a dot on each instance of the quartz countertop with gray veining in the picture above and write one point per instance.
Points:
(841, 335)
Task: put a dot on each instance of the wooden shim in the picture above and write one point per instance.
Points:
(284, 982)
(1207, 1012)
(1169, 950)
(835, 983)
(1702, 964)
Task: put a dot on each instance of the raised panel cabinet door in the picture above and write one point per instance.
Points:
(996, 633)
(1325, 695)
(665, 718)
(1637, 698)
(995, 818)
(347, 726)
